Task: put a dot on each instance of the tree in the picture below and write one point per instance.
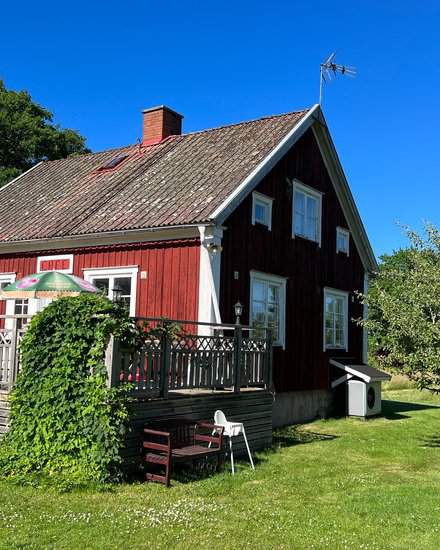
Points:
(404, 310)
(28, 135)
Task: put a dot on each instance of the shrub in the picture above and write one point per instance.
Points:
(66, 424)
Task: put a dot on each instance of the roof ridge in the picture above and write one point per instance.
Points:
(244, 122)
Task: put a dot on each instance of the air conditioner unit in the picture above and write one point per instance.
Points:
(363, 398)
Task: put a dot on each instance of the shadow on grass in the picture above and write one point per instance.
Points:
(391, 410)
(296, 435)
(432, 441)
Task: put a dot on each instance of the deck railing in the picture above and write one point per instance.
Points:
(222, 356)
(11, 332)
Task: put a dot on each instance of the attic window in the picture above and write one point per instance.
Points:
(111, 164)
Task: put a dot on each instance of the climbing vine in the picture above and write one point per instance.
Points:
(66, 424)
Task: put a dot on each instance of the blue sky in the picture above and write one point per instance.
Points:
(97, 64)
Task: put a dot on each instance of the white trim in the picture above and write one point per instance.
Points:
(254, 178)
(282, 283)
(346, 233)
(340, 294)
(311, 192)
(10, 304)
(365, 316)
(20, 176)
(265, 201)
(128, 236)
(53, 258)
(209, 276)
(343, 193)
(95, 272)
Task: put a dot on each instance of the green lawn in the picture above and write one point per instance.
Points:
(331, 484)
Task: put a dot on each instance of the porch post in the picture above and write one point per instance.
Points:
(269, 358)
(113, 362)
(165, 361)
(237, 358)
(14, 358)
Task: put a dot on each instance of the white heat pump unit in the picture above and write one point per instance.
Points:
(363, 386)
(363, 398)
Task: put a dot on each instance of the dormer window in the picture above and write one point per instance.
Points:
(113, 163)
(342, 240)
(262, 210)
(307, 207)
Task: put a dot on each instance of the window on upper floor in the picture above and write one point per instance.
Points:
(262, 210)
(342, 240)
(335, 319)
(307, 208)
(267, 304)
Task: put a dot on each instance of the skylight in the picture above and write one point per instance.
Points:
(110, 164)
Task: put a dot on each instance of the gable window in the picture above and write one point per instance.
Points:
(117, 283)
(335, 319)
(307, 207)
(342, 240)
(267, 304)
(262, 210)
(62, 263)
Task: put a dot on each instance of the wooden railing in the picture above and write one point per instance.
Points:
(11, 332)
(224, 356)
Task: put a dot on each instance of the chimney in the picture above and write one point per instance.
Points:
(160, 123)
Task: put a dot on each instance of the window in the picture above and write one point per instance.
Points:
(113, 163)
(342, 240)
(262, 210)
(335, 319)
(267, 304)
(62, 263)
(21, 307)
(307, 206)
(116, 282)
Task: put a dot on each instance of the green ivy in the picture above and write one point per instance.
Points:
(66, 424)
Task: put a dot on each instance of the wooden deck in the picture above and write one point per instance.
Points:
(253, 407)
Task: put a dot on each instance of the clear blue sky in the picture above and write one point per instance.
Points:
(96, 64)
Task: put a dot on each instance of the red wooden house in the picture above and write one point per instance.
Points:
(185, 225)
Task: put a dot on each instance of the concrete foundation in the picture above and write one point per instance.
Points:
(300, 406)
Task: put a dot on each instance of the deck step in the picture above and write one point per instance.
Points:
(156, 477)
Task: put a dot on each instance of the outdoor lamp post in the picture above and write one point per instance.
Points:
(238, 308)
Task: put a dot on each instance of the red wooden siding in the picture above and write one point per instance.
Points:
(171, 286)
(307, 267)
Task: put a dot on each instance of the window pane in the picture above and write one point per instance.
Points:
(261, 213)
(102, 285)
(299, 213)
(311, 229)
(123, 284)
(273, 295)
(259, 291)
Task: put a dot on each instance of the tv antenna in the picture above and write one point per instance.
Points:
(329, 69)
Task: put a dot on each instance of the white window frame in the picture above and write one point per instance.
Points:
(263, 200)
(315, 194)
(10, 304)
(111, 273)
(345, 233)
(337, 294)
(281, 283)
(57, 257)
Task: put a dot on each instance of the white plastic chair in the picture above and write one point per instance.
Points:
(232, 429)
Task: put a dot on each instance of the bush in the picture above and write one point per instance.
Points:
(65, 423)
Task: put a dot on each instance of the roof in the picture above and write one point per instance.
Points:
(184, 181)
(360, 370)
(180, 181)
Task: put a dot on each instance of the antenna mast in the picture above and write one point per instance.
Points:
(329, 69)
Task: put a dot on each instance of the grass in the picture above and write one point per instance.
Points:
(343, 483)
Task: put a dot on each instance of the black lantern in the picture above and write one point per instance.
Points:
(117, 294)
(238, 308)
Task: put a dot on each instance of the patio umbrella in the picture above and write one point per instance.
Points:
(50, 284)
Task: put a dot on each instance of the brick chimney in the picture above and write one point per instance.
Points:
(160, 123)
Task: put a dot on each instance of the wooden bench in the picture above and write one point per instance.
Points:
(169, 442)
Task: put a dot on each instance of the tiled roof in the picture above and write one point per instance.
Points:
(179, 181)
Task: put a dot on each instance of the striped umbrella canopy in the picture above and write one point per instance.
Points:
(50, 284)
